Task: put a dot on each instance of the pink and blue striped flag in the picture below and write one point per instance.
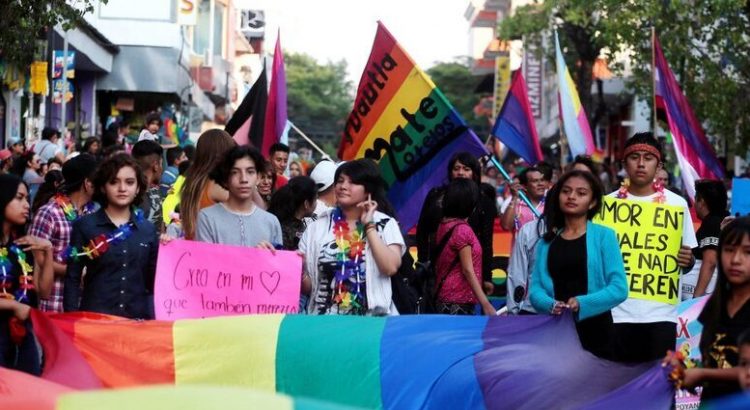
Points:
(276, 113)
(695, 154)
(515, 126)
(575, 122)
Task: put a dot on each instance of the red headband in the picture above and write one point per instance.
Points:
(642, 147)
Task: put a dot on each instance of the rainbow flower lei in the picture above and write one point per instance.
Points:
(660, 197)
(26, 280)
(71, 214)
(351, 246)
(100, 244)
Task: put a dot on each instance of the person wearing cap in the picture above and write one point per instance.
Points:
(54, 220)
(48, 147)
(6, 160)
(16, 146)
(644, 330)
(323, 174)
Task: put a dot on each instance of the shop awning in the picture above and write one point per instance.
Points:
(148, 69)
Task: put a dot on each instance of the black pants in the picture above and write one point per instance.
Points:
(643, 342)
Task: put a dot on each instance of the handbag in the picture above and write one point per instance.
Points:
(427, 302)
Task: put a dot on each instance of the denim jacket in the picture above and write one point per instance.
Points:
(121, 280)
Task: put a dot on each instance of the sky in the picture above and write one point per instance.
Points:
(429, 30)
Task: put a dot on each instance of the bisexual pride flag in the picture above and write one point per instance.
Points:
(515, 126)
(401, 120)
(575, 122)
(275, 124)
(695, 154)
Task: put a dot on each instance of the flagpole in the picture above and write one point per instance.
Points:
(523, 196)
(653, 73)
(306, 138)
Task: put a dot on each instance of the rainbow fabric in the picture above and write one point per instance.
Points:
(406, 362)
(403, 121)
(695, 155)
(575, 122)
(515, 125)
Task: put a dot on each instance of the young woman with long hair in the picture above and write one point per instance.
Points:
(579, 266)
(725, 317)
(199, 191)
(352, 251)
(26, 274)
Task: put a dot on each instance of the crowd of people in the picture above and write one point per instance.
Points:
(82, 232)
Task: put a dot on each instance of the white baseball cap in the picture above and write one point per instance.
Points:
(324, 173)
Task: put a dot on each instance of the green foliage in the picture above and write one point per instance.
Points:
(457, 83)
(318, 96)
(706, 43)
(29, 19)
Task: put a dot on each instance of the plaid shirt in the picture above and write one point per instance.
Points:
(50, 223)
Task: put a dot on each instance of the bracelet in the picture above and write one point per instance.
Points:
(369, 225)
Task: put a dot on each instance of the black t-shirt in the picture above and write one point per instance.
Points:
(722, 352)
(708, 235)
(567, 265)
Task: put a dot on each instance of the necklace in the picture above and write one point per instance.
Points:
(351, 254)
(100, 244)
(71, 214)
(25, 280)
(659, 198)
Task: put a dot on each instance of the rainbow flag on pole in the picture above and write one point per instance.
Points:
(575, 122)
(695, 155)
(401, 120)
(515, 125)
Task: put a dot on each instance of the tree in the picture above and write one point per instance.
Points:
(29, 19)
(319, 96)
(706, 43)
(457, 83)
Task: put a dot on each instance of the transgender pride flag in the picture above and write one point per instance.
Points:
(515, 124)
(575, 122)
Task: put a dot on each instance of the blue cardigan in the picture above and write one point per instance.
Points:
(607, 285)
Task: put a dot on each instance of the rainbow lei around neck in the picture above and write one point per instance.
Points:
(71, 214)
(25, 280)
(351, 254)
(99, 245)
(659, 198)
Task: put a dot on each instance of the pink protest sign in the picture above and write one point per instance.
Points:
(196, 279)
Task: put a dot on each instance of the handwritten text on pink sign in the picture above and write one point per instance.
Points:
(196, 279)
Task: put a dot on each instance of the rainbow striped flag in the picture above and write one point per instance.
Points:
(402, 120)
(575, 122)
(406, 362)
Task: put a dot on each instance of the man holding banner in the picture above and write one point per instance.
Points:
(656, 237)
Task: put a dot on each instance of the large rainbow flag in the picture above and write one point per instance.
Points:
(406, 362)
(575, 122)
(403, 121)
